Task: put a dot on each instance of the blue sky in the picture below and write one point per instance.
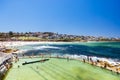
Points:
(78, 17)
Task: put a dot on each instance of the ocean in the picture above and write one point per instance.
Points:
(98, 49)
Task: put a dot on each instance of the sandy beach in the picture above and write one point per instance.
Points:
(22, 43)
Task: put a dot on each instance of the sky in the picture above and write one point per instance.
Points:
(77, 17)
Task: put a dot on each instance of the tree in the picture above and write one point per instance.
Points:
(10, 33)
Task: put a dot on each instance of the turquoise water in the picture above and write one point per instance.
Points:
(53, 69)
(99, 49)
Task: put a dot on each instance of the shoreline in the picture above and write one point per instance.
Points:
(84, 58)
(22, 43)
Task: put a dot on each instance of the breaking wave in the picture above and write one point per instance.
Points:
(46, 47)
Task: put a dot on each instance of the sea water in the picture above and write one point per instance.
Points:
(98, 49)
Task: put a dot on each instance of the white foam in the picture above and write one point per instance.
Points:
(45, 47)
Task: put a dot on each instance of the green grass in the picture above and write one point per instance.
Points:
(58, 69)
(29, 38)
